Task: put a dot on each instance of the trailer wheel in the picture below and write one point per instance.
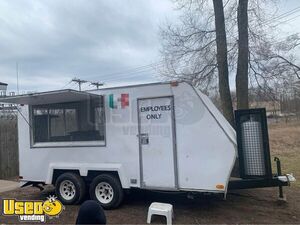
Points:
(70, 188)
(107, 190)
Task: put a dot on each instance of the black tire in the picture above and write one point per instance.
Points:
(79, 187)
(116, 195)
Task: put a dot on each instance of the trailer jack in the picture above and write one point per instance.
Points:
(284, 178)
(39, 185)
(281, 197)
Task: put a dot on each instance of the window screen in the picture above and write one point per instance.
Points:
(72, 121)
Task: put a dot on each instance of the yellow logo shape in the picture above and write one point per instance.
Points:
(52, 206)
(32, 211)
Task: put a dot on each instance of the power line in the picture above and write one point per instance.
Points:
(281, 16)
(122, 78)
(66, 84)
(133, 74)
(72, 85)
(131, 70)
(287, 20)
(139, 74)
(128, 73)
(79, 82)
(85, 86)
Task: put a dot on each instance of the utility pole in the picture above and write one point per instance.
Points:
(79, 82)
(97, 84)
(17, 72)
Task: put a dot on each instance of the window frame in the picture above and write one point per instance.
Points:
(65, 144)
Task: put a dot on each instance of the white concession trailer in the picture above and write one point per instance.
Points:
(160, 136)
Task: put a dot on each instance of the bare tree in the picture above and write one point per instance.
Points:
(189, 47)
(196, 52)
(243, 51)
(224, 90)
(272, 63)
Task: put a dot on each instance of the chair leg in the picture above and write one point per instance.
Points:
(169, 218)
(149, 217)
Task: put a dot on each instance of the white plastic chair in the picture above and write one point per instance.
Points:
(162, 209)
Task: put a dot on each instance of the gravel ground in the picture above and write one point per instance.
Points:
(247, 206)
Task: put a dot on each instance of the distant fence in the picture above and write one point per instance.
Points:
(9, 156)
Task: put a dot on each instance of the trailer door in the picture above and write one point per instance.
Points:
(157, 143)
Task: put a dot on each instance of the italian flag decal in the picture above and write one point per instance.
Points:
(117, 102)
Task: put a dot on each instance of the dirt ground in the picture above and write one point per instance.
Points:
(244, 206)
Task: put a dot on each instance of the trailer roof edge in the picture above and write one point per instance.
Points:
(47, 97)
(135, 85)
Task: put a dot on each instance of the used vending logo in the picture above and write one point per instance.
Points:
(33, 211)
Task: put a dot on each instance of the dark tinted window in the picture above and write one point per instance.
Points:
(73, 121)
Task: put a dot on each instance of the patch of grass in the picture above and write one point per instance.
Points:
(285, 144)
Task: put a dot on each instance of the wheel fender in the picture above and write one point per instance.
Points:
(85, 168)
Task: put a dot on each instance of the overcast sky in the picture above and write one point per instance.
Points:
(56, 40)
(99, 40)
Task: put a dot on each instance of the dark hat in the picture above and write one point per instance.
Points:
(91, 212)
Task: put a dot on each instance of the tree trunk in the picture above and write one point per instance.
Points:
(243, 48)
(224, 89)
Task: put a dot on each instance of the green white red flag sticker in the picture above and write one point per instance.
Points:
(118, 102)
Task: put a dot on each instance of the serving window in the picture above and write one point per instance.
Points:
(80, 121)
